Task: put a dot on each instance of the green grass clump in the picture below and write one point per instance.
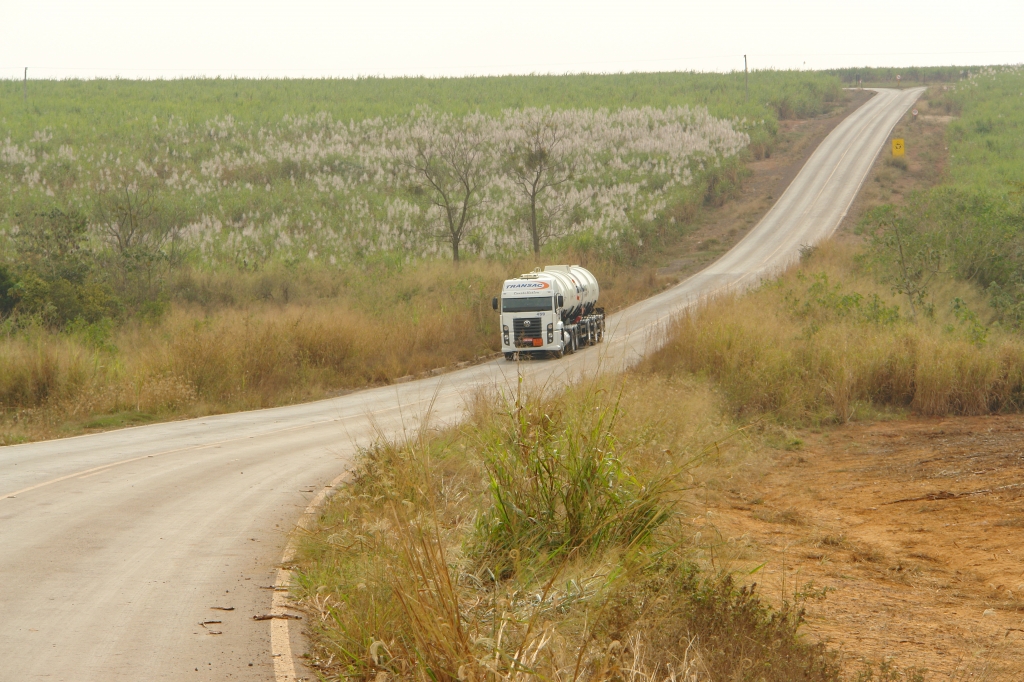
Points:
(558, 485)
(109, 421)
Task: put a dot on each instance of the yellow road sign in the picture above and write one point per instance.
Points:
(897, 147)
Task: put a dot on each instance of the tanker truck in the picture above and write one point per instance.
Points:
(549, 312)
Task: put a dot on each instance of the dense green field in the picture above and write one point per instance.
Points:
(917, 75)
(113, 111)
(986, 144)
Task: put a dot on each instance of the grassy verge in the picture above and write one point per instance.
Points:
(543, 540)
(827, 343)
(968, 228)
(564, 539)
(262, 340)
(920, 312)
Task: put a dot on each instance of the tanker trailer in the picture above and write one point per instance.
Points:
(550, 312)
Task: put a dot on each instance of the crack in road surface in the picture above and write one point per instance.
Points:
(114, 546)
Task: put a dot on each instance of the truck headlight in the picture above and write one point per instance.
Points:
(551, 333)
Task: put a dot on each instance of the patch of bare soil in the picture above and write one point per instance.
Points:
(904, 540)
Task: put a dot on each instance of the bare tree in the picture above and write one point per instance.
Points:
(451, 163)
(125, 215)
(138, 231)
(538, 159)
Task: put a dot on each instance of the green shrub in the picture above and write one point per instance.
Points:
(557, 485)
(58, 279)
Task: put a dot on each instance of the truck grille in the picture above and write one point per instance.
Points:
(526, 328)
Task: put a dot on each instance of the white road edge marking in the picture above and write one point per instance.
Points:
(280, 637)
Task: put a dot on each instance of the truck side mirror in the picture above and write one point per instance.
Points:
(561, 301)
(494, 302)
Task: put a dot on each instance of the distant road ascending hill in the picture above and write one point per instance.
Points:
(115, 548)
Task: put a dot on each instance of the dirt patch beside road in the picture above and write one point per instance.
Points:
(905, 540)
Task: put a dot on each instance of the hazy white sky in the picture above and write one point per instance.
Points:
(314, 38)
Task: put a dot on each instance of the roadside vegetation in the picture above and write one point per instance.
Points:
(566, 538)
(923, 314)
(828, 343)
(544, 539)
(276, 241)
(469, 554)
(569, 538)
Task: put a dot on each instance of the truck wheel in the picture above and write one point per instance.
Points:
(510, 356)
(556, 354)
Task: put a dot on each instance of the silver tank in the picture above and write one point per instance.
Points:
(579, 288)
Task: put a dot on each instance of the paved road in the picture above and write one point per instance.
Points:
(114, 547)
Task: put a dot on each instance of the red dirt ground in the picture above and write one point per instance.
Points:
(905, 539)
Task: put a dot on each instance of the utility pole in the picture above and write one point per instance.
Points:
(24, 93)
(747, 79)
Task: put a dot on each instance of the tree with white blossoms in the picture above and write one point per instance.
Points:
(451, 162)
(538, 158)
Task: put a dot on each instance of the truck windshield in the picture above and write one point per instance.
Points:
(534, 304)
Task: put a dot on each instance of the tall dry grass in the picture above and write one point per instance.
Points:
(825, 343)
(240, 341)
(405, 577)
(235, 359)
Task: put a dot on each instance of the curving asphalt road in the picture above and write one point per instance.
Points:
(114, 547)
